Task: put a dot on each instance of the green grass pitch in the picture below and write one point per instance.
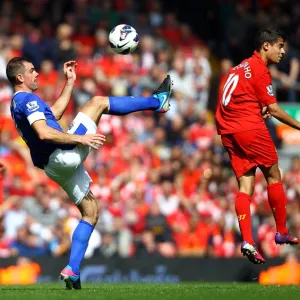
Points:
(132, 291)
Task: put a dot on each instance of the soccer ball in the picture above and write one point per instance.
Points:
(123, 39)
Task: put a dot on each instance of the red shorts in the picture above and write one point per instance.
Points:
(250, 149)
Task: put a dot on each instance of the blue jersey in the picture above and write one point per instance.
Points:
(26, 108)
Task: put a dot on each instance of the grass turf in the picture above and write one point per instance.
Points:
(132, 291)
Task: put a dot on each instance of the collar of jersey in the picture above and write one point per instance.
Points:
(256, 55)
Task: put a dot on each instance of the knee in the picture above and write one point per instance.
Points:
(96, 218)
(274, 176)
(91, 215)
(250, 191)
(92, 219)
(247, 188)
(100, 101)
(89, 209)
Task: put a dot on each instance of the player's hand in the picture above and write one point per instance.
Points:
(70, 70)
(265, 113)
(92, 140)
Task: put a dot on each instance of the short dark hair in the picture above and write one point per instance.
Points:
(14, 67)
(270, 35)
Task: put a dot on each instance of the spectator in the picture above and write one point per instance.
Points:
(37, 48)
(109, 245)
(60, 244)
(168, 201)
(183, 81)
(48, 76)
(28, 244)
(102, 44)
(64, 49)
(157, 224)
(217, 83)
(14, 217)
(146, 246)
(42, 207)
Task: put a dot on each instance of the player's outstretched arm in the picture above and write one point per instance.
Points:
(282, 116)
(60, 105)
(47, 133)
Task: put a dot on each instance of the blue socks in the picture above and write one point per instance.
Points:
(124, 105)
(80, 241)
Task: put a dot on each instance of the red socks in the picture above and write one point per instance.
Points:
(242, 208)
(277, 201)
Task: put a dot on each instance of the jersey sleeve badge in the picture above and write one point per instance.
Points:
(270, 90)
(32, 106)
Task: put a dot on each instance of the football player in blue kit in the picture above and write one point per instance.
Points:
(62, 154)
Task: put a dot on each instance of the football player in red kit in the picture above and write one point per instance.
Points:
(246, 101)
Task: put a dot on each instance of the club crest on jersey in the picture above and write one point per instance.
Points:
(270, 90)
(32, 106)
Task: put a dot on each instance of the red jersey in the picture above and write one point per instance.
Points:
(247, 89)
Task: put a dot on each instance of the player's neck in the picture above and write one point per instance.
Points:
(22, 88)
(263, 57)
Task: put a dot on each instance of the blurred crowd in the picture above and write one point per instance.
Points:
(164, 182)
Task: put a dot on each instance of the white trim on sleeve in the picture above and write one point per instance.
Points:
(38, 115)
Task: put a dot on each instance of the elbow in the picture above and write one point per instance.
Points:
(43, 136)
(273, 112)
(57, 116)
